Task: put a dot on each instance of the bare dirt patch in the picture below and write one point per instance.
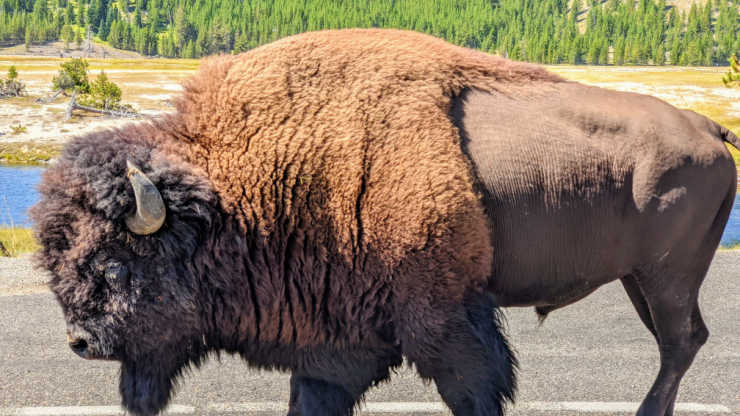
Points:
(57, 50)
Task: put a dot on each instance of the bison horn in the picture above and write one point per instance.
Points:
(150, 211)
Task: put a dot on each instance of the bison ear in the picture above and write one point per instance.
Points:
(150, 209)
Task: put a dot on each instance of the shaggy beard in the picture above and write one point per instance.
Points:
(147, 383)
(145, 387)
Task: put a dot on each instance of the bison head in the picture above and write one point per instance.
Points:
(122, 225)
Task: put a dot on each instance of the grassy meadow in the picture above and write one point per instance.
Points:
(17, 241)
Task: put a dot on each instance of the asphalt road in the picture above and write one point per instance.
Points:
(593, 357)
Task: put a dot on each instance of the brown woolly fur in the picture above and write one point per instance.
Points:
(350, 129)
(321, 218)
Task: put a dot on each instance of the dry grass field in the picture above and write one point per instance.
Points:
(699, 89)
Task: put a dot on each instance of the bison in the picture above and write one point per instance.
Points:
(335, 201)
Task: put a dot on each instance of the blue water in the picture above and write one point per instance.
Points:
(732, 229)
(18, 193)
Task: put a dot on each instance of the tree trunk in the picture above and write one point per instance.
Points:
(70, 106)
(74, 106)
(52, 98)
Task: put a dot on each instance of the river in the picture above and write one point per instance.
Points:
(18, 193)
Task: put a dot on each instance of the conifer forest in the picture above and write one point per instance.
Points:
(596, 32)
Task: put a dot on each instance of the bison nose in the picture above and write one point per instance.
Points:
(78, 345)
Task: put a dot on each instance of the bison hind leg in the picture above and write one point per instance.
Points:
(472, 365)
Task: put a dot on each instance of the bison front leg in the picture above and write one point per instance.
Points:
(310, 396)
(469, 359)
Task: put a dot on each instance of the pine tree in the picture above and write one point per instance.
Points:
(92, 13)
(542, 31)
(72, 75)
(242, 43)
(676, 50)
(619, 52)
(67, 35)
(732, 77)
(189, 50)
(80, 13)
(604, 52)
(28, 38)
(659, 55)
(69, 15)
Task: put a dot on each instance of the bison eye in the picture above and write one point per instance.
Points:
(117, 275)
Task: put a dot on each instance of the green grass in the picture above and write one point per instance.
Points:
(27, 153)
(735, 246)
(17, 240)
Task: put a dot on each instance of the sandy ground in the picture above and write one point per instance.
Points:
(57, 50)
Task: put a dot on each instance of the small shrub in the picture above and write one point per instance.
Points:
(732, 77)
(11, 87)
(72, 75)
(17, 129)
(20, 153)
(103, 94)
(106, 95)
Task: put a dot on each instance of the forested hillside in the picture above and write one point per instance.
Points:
(547, 31)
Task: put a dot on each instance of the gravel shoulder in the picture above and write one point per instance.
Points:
(18, 276)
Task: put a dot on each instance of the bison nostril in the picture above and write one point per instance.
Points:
(79, 346)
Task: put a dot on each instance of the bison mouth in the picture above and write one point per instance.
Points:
(146, 386)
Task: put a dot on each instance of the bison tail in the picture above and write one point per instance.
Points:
(730, 138)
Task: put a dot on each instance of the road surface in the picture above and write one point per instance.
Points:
(593, 357)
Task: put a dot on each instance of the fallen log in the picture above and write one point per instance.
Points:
(73, 105)
(4, 251)
(50, 99)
